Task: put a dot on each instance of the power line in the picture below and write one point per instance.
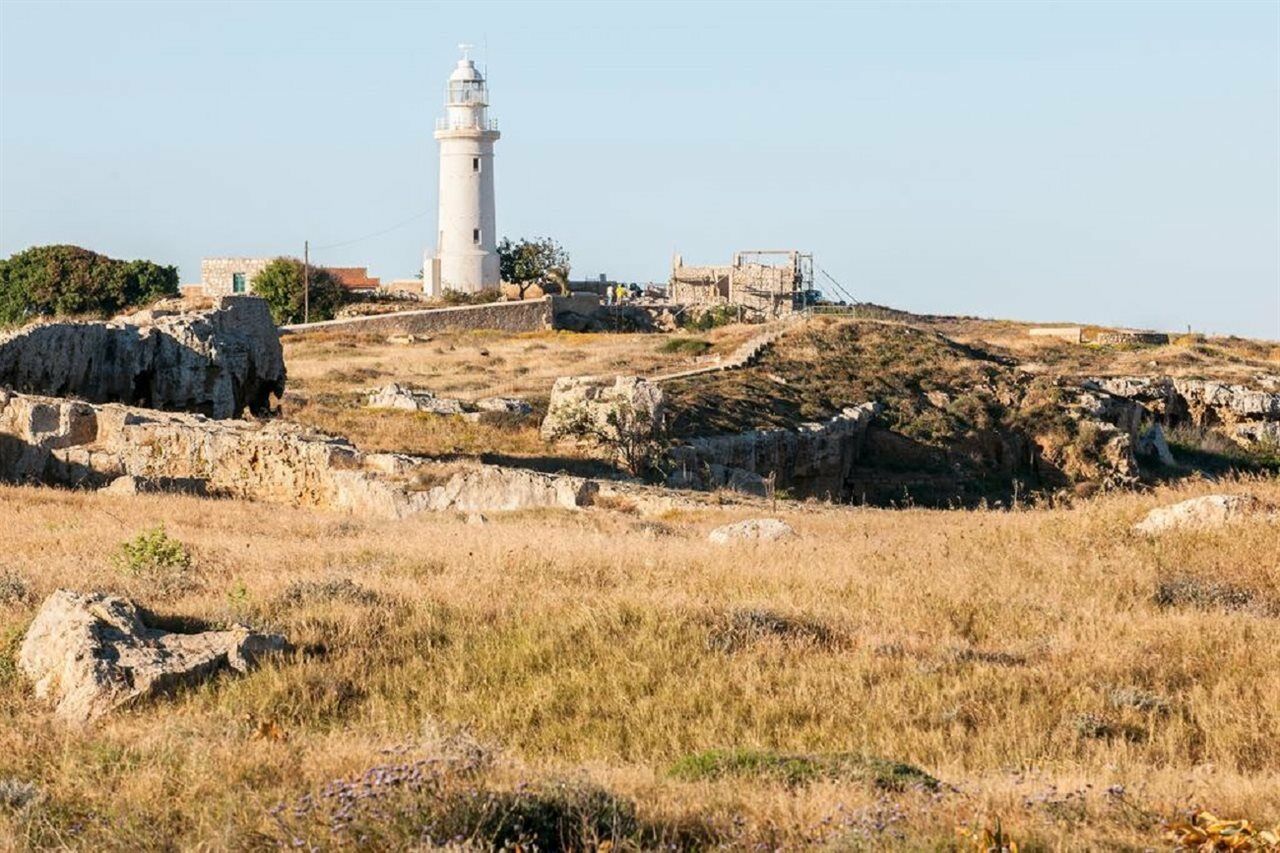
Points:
(839, 287)
(413, 218)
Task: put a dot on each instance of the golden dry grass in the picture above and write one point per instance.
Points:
(1224, 358)
(1019, 657)
(330, 374)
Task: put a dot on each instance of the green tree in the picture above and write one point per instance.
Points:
(281, 284)
(542, 262)
(58, 280)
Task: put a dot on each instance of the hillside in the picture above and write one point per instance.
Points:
(1074, 682)
(972, 411)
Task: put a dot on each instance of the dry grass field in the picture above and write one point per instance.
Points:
(563, 677)
(330, 376)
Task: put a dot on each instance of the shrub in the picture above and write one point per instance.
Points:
(58, 280)
(153, 556)
(461, 297)
(14, 588)
(282, 283)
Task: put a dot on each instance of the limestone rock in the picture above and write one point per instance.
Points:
(490, 488)
(395, 396)
(64, 442)
(216, 362)
(1203, 512)
(507, 405)
(89, 654)
(1258, 432)
(1151, 443)
(593, 405)
(814, 459)
(752, 530)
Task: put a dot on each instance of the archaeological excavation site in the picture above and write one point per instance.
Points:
(551, 573)
(615, 427)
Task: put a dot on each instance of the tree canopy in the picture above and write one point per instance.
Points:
(543, 262)
(46, 281)
(280, 283)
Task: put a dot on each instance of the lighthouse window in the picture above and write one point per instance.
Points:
(475, 164)
(475, 235)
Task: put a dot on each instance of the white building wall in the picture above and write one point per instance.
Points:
(466, 241)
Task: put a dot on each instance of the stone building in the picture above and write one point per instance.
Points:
(754, 280)
(227, 276)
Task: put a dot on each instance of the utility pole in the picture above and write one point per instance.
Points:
(306, 281)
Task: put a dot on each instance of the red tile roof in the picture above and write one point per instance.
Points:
(355, 278)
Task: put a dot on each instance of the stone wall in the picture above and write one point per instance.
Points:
(530, 315)
(217, 274)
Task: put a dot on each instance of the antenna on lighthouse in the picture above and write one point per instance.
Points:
(466, 50)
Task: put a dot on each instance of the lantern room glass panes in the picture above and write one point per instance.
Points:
(467, 93)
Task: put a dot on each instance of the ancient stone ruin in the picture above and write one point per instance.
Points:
(218, 362)
(72, 443)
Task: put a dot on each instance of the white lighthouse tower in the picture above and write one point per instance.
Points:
(466, 257)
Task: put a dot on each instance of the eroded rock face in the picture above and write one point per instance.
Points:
(814, 459)
(752, 530)
(589, 404)
(89, 654)
(1201, 402)
(65, 442)
(217, 362)
(1199, 513)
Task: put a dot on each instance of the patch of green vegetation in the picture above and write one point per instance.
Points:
(153, 552)
(713, 318)
(798, 770)
(685, 346)
(161, 561)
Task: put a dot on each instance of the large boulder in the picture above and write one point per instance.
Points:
(216, 362)
(752, 530)
(89, 654)
(591, 407)
(1200, 513)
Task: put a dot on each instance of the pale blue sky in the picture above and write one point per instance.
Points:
(1106, 162)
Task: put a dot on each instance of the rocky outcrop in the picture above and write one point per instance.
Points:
(752, 530)
(583, 406)
(395, 396)
(217, 362)
(1199, 402)
(66, 442)
(89, 654)
(814, 459)
(1200, 513)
